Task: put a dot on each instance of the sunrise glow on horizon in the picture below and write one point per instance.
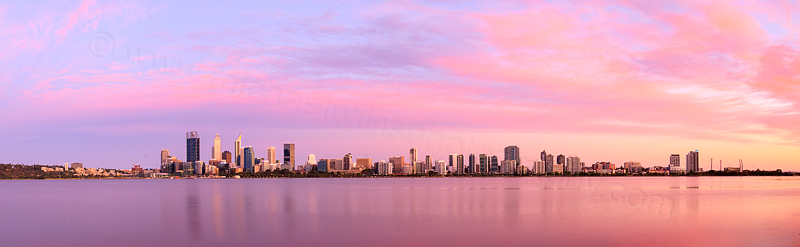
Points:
(111, 83)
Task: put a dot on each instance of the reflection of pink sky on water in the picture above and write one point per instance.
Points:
(625, 211)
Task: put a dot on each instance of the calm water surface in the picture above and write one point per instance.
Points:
(624, 211)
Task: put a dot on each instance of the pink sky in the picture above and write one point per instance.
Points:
(111, 83)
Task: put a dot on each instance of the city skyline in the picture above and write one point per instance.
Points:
(98, 82)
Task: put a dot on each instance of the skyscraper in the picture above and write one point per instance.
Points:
(412, 156)
(164, 156)
(483, 164)
(364, 163)
(457, 162)
(226, 156)
(192, 146)
(428, 164)
(441, 167)
(216, 150)
(560, 159)
(288, 156)
(473, 164)
(249, 158)
(237, 146)
(512, 153)
(693, 161)
(548, 163)
(495, 168)
(573, 165)
(543, 157)
(272, 158)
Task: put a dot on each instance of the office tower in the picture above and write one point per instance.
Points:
(226, 156)
(495, 166)
(512, 153)
(441, 167)
(337, 165)
(538, 167)
(216, 150)
(693, 161)
(412, 156)
(483, 166)
(397, 164)
(384, 168)
(508, 166)
(560, 159)
(675, 160)
(573, 164)
(311, 163)
(288, 156)
(348, 161)
(164, 156)
(272, 158)
(473, 164)
(428, 164)
(364, 163)
(192, 146)
(237, 146)
(249, 158)
(548, 163)
(419, 167)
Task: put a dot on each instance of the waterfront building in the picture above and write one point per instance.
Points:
(560, 159)
(548, 163)
(558, 168)
(538, 167)
(412, 156)
(675, 160)
(364, 163)
(428, 164)
(272, 157)
(311, 163)
(324, 165)
(384, 168)
(397, 164)
(192, 146)
(216, 149)
(249, 158)
(419, 167)
(288, 157)
(693, 161)
(347, 161)
(572, 165)
(226, 156)
(473, 164)
(164, 156)
(408, 170)
(633, 167)
(457, 162)
(483, 164)
(508, 167)
(512, 153)
(495, 166)
(441, 167)
(237, 146)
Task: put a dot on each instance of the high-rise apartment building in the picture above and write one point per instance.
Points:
(472, 164)
(441, 167)
(164, 156)
(288, 156)
(384, 168)
(192, 146)
(538, 167)
(572, 165)
(428, 164)
(693, 161)
(548, 163)
(483, 164)
(216, 149)
(508, 167)
(457, 162)
(560, 159)
(512, 153)
(348, 161)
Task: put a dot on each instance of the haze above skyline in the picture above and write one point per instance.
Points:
(110, 83)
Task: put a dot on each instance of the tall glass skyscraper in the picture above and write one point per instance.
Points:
(512, 153)
(192, 146)
(288, 156)
(249, 158)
